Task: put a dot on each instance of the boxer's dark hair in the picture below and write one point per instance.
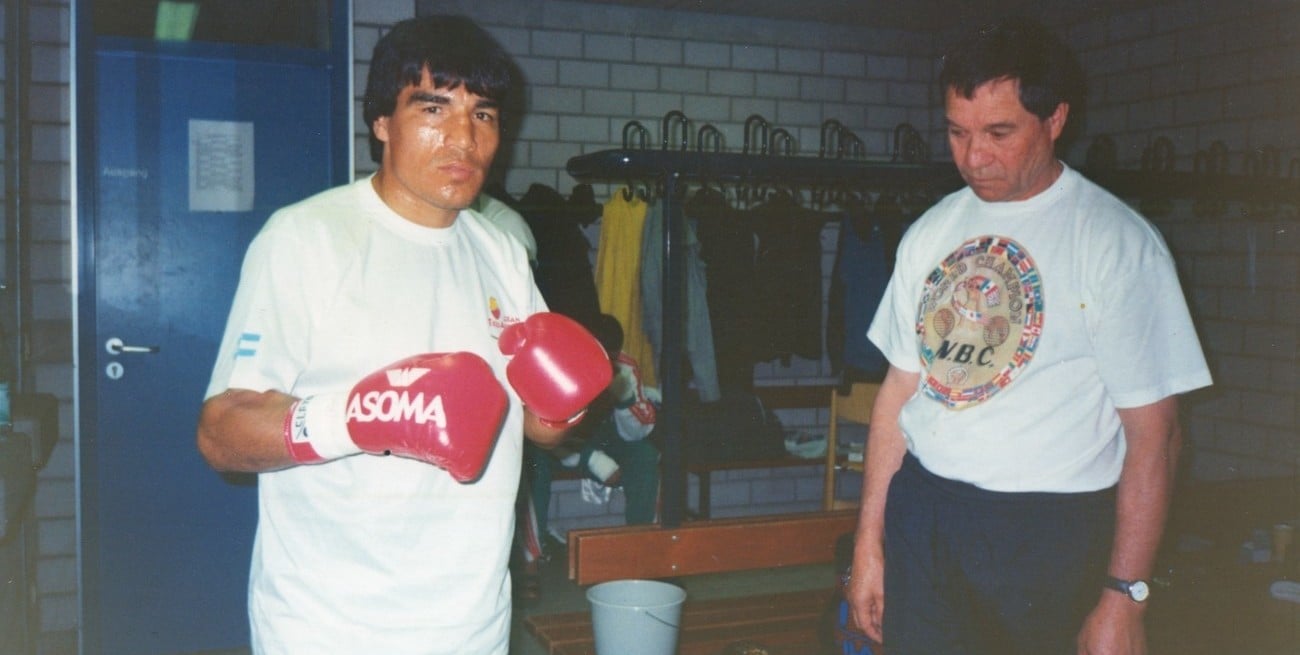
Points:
(454, 50)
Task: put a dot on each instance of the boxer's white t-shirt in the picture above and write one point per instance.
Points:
(370, 554)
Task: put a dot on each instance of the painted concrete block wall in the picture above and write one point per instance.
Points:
(1190, 70)
(1196, 73)
(591, 69)
(48, 204)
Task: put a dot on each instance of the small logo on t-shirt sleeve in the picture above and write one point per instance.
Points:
(247, 344)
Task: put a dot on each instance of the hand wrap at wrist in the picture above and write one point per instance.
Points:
(315, 429)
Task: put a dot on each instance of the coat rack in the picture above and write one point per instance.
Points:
(674, 169)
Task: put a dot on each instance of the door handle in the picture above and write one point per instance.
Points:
(115, 346)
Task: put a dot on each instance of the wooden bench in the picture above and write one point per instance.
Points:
(786, 622)
(773, 397)
(705, 470)
(712, 546)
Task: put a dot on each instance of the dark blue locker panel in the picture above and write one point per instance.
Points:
(177, 137)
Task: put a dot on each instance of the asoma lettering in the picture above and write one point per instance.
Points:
(391, 406)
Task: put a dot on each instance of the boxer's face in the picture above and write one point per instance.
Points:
(438, 146)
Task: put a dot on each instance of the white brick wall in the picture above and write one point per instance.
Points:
(1199, 72)
(715, 69)
(48, 176)
(381, 13)
(1192, 70)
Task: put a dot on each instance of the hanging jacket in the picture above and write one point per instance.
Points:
(618, 275)
(564, 273)
(698, 330)
(727, 249)
(789, 278)
(864, 260)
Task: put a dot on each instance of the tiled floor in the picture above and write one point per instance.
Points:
(1222, 609)
(561, 595)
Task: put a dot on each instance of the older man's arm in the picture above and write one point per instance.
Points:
(1154, 438)
(885, 449)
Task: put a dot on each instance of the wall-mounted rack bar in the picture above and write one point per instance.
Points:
(690, 166)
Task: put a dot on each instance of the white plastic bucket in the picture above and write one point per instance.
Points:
(636, 617)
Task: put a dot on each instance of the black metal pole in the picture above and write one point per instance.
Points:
(671, 382)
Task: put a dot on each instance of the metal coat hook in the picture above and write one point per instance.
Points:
(1210, 162)
(1263, 162)
(782, 137)
(909, 147)
(854, 148)
(1158, 158)
(756, 133)
(900, 134)
(782, 142)
(1270, 159)
(756, 122)
(829, 143)
(851, 147)
(709, 134)
(1219, 156)
(830, 138)
(642, 134)
(668, 128)
(1102, 154)
(633, 128)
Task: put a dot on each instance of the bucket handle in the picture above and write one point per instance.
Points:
(651, 615)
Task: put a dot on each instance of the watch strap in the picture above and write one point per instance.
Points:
(1127, 587)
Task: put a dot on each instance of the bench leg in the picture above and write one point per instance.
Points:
(705, 493)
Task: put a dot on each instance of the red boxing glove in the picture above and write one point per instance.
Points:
(445, 409)
(558, 366)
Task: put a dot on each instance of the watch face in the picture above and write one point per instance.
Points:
(1139, 591)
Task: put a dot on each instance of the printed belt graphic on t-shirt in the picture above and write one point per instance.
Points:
(979, 319)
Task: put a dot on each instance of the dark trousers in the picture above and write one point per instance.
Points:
(976, 572)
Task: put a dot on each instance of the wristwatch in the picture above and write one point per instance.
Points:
(1137, 590)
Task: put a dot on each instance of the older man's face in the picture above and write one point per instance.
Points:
(1002, 150)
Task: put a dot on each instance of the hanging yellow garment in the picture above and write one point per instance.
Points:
(618, 275)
